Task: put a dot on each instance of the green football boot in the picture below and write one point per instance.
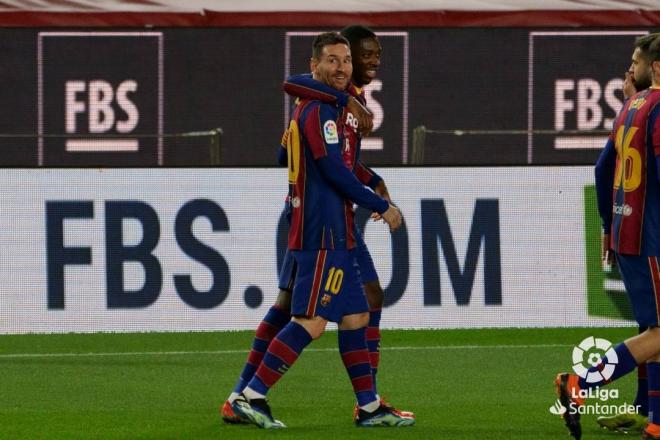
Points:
(625, 423)
(256, 411)
(382, 417)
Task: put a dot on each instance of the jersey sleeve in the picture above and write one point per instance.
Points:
(654, 124)
(604, 182)
(305, 87)
(367, 176)
(320, 131)
(282, 157)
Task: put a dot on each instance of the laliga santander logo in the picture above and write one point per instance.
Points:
(558, 409)
(594, 360)
(590, 353)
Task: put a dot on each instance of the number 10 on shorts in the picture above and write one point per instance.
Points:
(334, 280)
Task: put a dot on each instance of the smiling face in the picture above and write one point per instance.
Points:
(334, 66)
(366, 60)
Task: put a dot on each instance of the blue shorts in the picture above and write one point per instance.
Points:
(327, 285)
(366, 269)
(288, 272)
(641, 276)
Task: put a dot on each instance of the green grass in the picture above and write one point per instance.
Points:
(498, 388)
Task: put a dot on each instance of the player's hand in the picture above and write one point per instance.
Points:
(376, 217)
(606, 254)
(629, 85)
(362, 114)
(381, 190)
(393, 217)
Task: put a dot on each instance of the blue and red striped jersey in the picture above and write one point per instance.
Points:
(303, 86)
(322, 152)
(628, 177)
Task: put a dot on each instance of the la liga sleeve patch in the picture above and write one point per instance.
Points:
(330, 132)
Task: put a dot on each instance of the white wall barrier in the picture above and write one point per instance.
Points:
(196, 249)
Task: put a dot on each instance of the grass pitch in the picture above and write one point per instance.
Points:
(462, 384)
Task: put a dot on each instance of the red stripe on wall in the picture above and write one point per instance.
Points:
(435, 18)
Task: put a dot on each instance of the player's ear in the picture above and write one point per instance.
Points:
(655, 67)
(313, 64)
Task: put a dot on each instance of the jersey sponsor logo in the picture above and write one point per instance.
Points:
(330, 132)
(624, 210)
(637, 103)
(351, 121)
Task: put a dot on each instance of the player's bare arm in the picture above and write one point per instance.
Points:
(393, 217)
(362, 114)
(382, 191)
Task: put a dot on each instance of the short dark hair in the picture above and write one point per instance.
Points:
(327, 39)
(356, 32)
(644, 44)
(653, 53)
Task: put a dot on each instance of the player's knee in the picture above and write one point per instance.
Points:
(316, 331)
(375, 294)
(655, 331)
(314, 326)
(652, 336)
(283, 300)
(355, 321)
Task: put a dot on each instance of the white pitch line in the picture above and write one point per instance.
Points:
(222, 352)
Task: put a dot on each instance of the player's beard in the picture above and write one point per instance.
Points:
(644, 82)
(340, 82)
